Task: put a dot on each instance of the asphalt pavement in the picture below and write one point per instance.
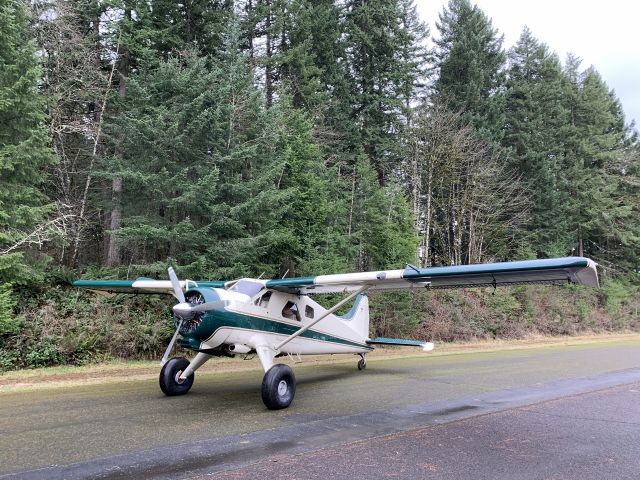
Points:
(555, 412)
(587, 436)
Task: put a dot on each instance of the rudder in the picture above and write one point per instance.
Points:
(358, 316)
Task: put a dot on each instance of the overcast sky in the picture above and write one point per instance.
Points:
(603, 33)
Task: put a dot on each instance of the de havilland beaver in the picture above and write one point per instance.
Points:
(277, 317)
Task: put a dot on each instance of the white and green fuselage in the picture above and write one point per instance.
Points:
(242, 322)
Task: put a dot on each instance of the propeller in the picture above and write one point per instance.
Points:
(175, 283)
(184, 310)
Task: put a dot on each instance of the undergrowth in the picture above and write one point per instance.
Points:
(65, 326)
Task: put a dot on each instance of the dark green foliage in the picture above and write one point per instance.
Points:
(600, 220)
(470, 63)
(197, 161)
(10, 323)
(386, 64)
(63, 326)
(535, 116)
(24, 154)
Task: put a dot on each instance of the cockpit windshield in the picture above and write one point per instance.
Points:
(248, 287)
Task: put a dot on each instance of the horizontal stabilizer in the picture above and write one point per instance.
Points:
(426, 346)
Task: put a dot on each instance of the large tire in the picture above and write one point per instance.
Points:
(169, 383)
(278, 387)
(362, 364)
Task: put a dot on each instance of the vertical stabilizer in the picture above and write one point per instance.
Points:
(358, 316)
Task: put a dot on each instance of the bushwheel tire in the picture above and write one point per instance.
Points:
(278, 387)
(362, 364)
(169, 377)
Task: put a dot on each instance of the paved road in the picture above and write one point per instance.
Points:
(593, 435)
(126, 429)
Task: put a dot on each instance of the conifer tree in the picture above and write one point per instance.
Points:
(535, 115)
(24, 153)
(596, 139)
(386, 63)
(470, 62)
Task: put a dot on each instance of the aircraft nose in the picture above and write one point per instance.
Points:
(182, 309)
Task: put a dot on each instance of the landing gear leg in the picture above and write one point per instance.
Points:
(176, 376)
(278, 383)
(278, 387)
(362, 363)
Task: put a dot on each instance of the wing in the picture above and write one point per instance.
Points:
(577, 270)
(143, 285)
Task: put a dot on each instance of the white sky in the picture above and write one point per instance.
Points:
(605, 34)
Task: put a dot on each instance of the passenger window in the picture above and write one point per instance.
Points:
(263, 301)
(290, 311)
(308, 311)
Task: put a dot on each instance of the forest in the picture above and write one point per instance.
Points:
(234, 138)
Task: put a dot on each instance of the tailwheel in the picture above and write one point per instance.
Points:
(362, 363)
(278, 387)
(170, 382)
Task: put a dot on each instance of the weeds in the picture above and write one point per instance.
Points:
(67, 326)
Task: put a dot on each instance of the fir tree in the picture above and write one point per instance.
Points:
(24, 154)
(600, 221)
(470, 62)
(535, 115)
(381, 41)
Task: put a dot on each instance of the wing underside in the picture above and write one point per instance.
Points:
(576, 270)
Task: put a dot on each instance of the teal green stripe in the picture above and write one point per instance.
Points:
(290, 282)
(497, 268)
(209, 283)
(117, 286)
(395, 341)
(213, 321)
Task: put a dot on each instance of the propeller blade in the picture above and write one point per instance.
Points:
(165, 357)
(177, 289)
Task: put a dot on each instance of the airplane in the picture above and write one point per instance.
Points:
(278, 317)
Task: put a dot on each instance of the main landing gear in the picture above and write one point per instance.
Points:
(278, 383)
(362, 363)
(278, 387)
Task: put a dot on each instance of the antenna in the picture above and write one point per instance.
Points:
(285, 273)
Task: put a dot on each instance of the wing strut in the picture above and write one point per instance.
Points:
(325, 314)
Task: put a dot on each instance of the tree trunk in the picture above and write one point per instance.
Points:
(115, 218)
(268, 69)
(113, 250)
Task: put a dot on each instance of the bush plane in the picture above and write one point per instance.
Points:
(277, 317)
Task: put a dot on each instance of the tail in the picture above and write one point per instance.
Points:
(358, 316)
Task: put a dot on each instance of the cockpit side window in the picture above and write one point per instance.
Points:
(263, 301)
(290, 311)
(308, 311)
